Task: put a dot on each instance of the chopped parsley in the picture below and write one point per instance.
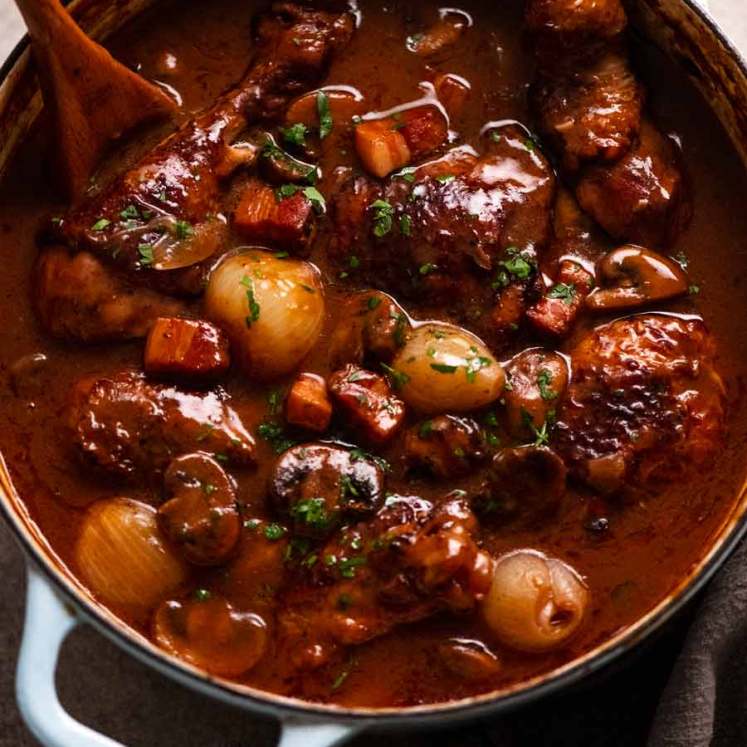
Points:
(427, 268)
(146, 254)
(426, 429)
(295, 134)
(408, 174)
(693, 290)
(445, 178)
(344, 674)
(101, 224)
(254, 309)
(347, 566)
(518, 265)
(444, 368)
(398, 378)
(373, 303)
(475, 364)
(495, 136)
(544, 379)
(274, 532)
(183, 230)
(129, 213)
(325, 116)
(405, 225)
(274, 399)
(312, 512)
(316, 198)
(563, 291)
(274, 434)
(202, 595)
(383, 217)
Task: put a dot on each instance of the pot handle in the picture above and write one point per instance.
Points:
(48, 622)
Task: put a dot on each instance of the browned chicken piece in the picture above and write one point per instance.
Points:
(641, 198)
(264, 216)
(592, 112)
(307, 404)
(316, 485)
(525, 486)
(349, 209)
(645, 403)
(367, 402)
(537, 380)
(446, 446)
(160, 221)
(564, 25)
(556, 312)
(190, 348)
(200, 515)
(133, 428)
(440, 232)
(78, 298)
(411, 561)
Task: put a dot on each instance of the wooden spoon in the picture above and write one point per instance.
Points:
(93, 98)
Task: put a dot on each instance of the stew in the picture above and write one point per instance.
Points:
(405, 366)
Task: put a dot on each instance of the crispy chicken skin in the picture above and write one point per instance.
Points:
(592, 112)
(576, 22)
(645, 403)
(413, 560)
(641, 198)
(132, 428)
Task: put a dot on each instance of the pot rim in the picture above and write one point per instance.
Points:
(727, 537)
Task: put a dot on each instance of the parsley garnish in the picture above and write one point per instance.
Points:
(444, 368)
(398, 378)
(183, 230)
(405, 225)
(253, 315)
(544, 379)
(295, 134)
(202, 595)
(325, 117)
(476, 364)
(129, 213)
(312, 512)
(347, 566)
(274, 434)
(383, 217)
(373, 302)
(445, 178)
(274, 532)
(316, 198)
(100, 224)
(427, 268)
(563, 291)
(146, 254)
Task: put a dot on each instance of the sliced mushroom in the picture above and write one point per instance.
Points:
(447, 446)
(526, 485)
(208, 632)
(468, 659)
(632, 276)
(317, 484)
(201, 517)
(537, 379)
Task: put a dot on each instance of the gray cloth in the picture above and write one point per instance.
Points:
(705, 701)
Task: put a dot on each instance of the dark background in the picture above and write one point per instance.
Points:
(109, 691)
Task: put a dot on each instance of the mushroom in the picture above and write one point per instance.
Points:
(537, 381)
(526, 485)
(632, 276)
(317, 484)
(468, 659)
(201, 518)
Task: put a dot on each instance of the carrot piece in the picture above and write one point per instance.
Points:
(266, 217)
(186, 347)
(307, 404)
(381, 146)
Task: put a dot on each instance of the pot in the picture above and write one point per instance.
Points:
(56, 601)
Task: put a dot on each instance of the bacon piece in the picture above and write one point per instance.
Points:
(368, 401)
(452, 91)
(424, 129)
(381, 146)
(307, 405)
(264, 216)
(186, 347)
(556, 311)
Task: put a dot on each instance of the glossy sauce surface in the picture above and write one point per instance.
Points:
(648, 545)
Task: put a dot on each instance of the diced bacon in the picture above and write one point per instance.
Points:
(266, 217)
(556, 312)
(452, 91)
(381, 147)
(307, 404)
(367, 400)
(424, 128)
(186, 347)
